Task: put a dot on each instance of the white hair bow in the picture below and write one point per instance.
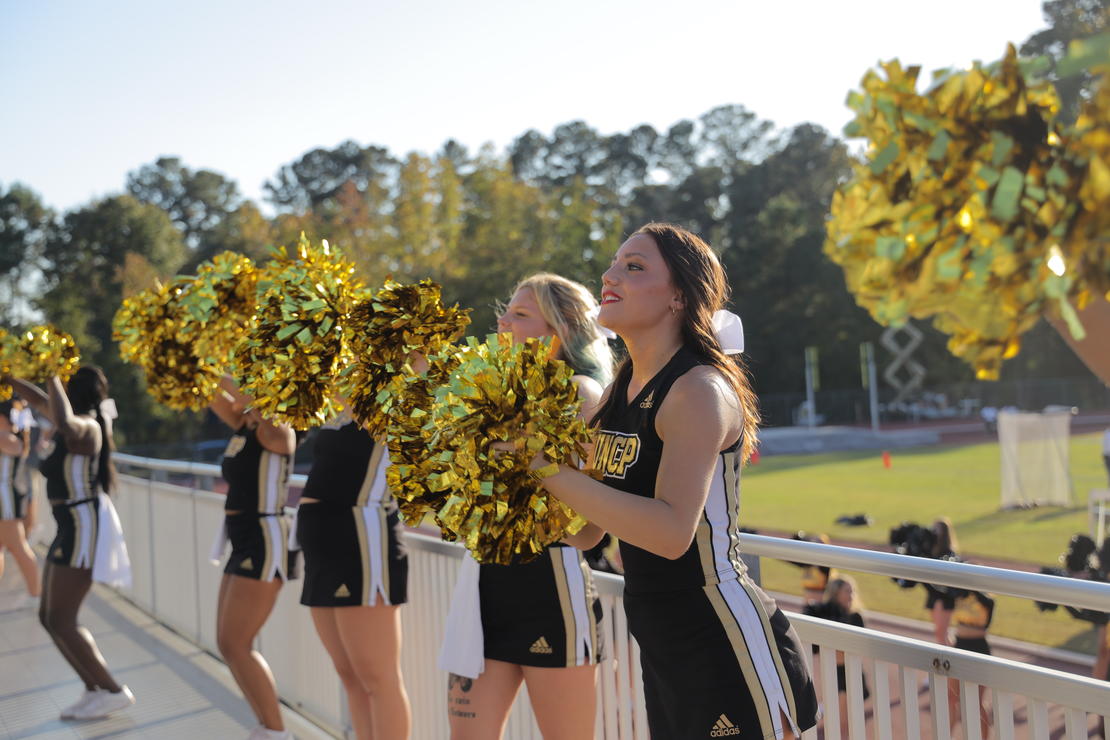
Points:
(108, 409)
(730, 332)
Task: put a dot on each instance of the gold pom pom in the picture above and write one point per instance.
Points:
(490, 500)
(967, 190)
(42, 352)
(220, 305)
(148, 327)
(294, 352)
(7, 354)
(383, 331)
(407, 404)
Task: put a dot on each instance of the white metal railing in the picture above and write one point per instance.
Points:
(169, 526)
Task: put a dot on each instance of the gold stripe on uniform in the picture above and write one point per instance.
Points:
(772, 644)
(263, 468)
(268, 545)
(76, 552)
(94, 517)
(363, 553)
(732, 503)
(383, 535)
(563, 590)
(591, 594)
(67, 470)
(704, 539)
(743, 656)
(371, 474)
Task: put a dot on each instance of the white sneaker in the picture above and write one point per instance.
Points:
(30, 603)
(104, 703)
(264, 733)
(86, 697)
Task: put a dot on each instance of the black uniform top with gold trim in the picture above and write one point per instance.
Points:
(973, 609)
(257, 479)
(628, 451)
(345, 466)
(69, 477)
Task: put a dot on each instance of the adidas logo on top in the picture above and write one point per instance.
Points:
(541, 646)
(343, 592)
(724, 728)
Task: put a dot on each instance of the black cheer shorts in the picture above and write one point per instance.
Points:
(720, 661)
(973, 645)
(353, 556)
(259, 547)
(543, 613)
(76, 535)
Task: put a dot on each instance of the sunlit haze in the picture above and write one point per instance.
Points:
(93, 90)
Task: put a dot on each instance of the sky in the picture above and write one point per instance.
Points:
(92, 91)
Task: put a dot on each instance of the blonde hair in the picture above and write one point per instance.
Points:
(833, 587)
(570, 310)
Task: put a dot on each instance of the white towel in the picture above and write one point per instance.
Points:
(463, 649)
(293, 543)
(219, 544)
(111, 565)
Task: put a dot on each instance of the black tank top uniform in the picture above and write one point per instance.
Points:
(973, 609)
(72, 489)
(836, 613)
(11, 494)
(946, 595)
(718, 656)
(351, 535)
(544, 612)
(258, 484)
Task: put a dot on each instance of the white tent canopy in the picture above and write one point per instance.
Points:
(1035, 465)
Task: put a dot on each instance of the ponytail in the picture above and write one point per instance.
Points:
(106, 471)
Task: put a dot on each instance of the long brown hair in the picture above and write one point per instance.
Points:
(700, 279)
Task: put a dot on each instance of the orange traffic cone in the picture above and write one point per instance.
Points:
(886, 459)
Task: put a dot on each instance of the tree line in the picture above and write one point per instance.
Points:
(477, 221)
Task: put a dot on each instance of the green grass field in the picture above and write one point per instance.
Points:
(810, 491)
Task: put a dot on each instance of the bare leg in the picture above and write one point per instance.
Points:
(64, 590)
(553, 690)
(941, 619)
(478, 709)
(12, 538)
(358, 701)
(371, 637)
(245, 605)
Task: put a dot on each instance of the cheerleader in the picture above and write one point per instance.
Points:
(719, 659)
(972, 613)
(941, 600)
(14, 448)
(356, 574)
(256, 467)
(76, 472)
(539, 619)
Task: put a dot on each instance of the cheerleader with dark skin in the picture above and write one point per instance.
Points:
(76, 472)
(246, 601)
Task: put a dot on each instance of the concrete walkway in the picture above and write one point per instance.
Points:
(181, 691)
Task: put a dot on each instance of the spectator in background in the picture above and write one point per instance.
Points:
(841, 604)
(989, 415)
